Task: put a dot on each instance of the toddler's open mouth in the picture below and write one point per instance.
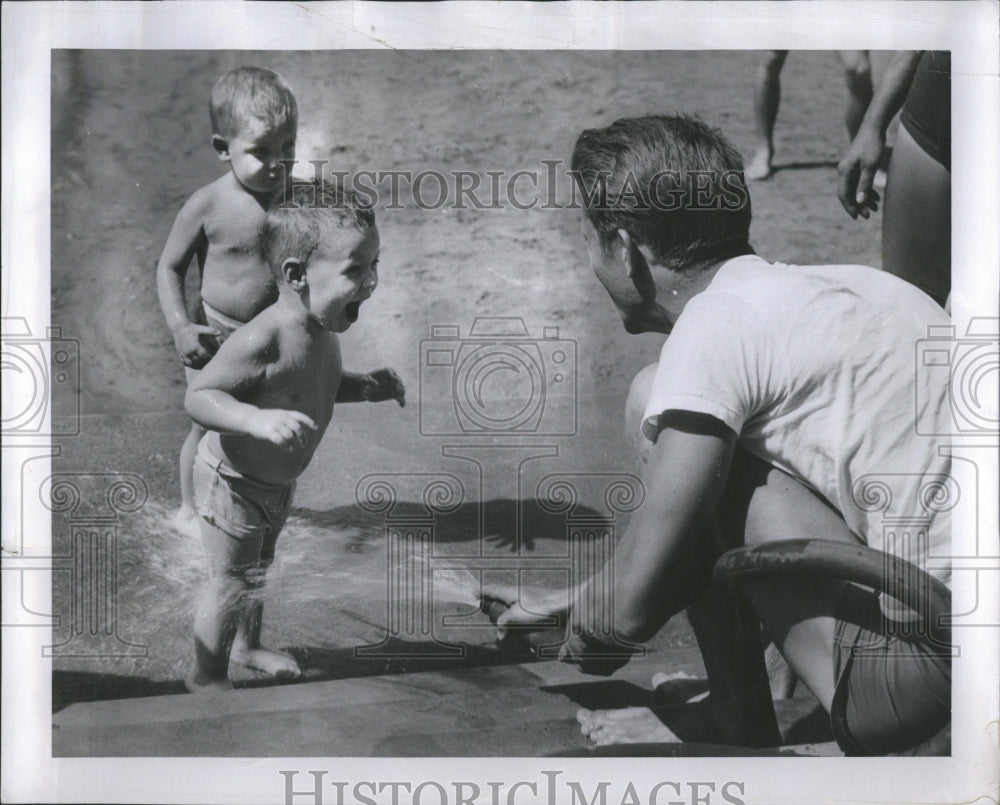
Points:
(351, 311)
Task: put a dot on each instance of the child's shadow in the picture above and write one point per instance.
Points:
(470, 537)
(505, 524)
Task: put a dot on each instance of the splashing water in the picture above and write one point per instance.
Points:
(328, 586)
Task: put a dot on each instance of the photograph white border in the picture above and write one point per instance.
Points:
(32, 30)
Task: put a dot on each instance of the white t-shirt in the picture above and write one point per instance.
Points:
(816, 368)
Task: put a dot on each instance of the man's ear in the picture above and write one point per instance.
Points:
(293, 272)
(221, 146)
(636, 259)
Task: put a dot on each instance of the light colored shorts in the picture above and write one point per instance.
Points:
(250, 513)
(893, 689)
(226, 326)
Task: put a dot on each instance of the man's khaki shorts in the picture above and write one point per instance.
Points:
(893, 688)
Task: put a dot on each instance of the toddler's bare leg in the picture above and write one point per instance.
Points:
(247, 648)
(185, 519)
(218, 615)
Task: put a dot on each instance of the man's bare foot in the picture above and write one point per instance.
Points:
(630, 725)
(185, 520)
(273, 663)
(679, 687)
(196, 683)
(759, 167)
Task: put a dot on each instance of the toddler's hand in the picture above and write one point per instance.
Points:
(196, 344)
(383, 384)
(287, 429)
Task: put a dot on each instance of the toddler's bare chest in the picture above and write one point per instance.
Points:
(235, 232)
(308, 384)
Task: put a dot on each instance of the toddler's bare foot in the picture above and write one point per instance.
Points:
(630, 725)
(273, 663)
(197, 683)
(759, 167)
(185, 520)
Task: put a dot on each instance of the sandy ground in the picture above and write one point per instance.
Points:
(131, 142)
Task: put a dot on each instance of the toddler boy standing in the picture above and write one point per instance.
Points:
(254, 125)
(266, 399)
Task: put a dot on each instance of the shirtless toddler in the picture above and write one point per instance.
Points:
(254, 124)
(266, 399)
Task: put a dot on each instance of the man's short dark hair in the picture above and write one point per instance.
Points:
(673, 183)
(295, 223)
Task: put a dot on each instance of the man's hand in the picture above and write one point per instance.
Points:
(383, 384)
(856, 173)
(196, 344)
(541, 609)
(287, 429)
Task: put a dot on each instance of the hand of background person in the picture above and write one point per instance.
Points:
(383, 384)
(196, 344)
(856, 173)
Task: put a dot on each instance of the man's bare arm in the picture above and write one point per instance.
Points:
(686, 474)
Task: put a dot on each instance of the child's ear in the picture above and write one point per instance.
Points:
(636, 259)
(293, 271)
(221, 146)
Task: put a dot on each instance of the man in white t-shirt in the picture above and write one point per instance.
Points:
(785, 405)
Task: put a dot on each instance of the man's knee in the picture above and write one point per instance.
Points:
(782, 508)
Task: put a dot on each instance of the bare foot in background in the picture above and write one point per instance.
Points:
(759, 166)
